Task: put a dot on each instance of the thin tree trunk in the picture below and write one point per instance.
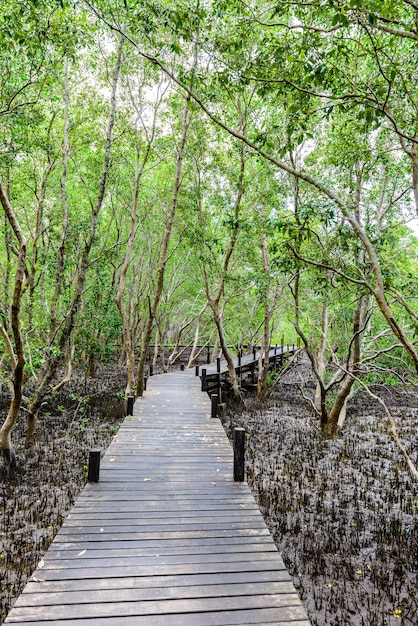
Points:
(48, 370)
(126, 327)
(265, 348)
(59, 275)
(196, 335)
(127, 333)
(215, 300)
(19, 359)
(146, 337)
(331, 427)
(322, 343)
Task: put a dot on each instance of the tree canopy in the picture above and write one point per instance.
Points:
(219, 173)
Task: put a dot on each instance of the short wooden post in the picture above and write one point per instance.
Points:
(254, 353)
(151, 369)
(239, 454)
(253, 373)
(218, 364)
(203, 379)
(196, 370)
(94, 466)
(239, 359)
(208, 356)
(182, 367)
(215, 401)
(130, 405)
(145, 383)
(219, 387)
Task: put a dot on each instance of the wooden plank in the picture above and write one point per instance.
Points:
(143, 594)
(115, 548)
(110, 560)
(137, 582)
(258, 565)
(287, 603)
(260, 617)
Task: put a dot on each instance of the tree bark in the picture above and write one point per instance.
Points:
(146, 337)
(196, 336)
(6, 446)
(64, 207)
(48, 370)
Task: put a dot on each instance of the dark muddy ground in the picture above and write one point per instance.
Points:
(35, 501)
(343, 513)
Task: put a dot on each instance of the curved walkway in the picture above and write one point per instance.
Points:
(166, 538)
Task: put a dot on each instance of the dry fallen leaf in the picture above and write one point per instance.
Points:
(82, 552)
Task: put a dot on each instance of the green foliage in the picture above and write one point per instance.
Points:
(325, 87)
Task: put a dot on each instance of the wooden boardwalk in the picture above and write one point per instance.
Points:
(166, 538)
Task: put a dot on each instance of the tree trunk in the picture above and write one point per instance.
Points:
(196, 336)
(265, 348)
(19, 357)
(146, 337)
(331, 428)
(48, 370)
(322, 343)
(215, 300)
(64, 207)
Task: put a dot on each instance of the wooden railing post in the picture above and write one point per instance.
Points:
(130, 405)
(197, 370)
(239, 454)
(218, 364)
(208, 356)
(151, 369)
(215, 402)
(94, 466)
(203, 379)
(145, 383)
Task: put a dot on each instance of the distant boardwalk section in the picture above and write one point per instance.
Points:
(166, 538)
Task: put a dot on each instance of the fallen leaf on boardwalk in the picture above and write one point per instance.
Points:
(101, 530)
(125, 488)
(82, 552)
(41, 564)
(214, 484)
(242, 506)
(111, 460)
(147, 480)
(37, 580)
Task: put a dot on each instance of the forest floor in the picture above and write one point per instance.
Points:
(343, 513)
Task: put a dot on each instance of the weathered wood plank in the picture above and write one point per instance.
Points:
(258, 565)
(143, 594)
(114, 548)
(137, 582)
(260, 617)
(287, 603)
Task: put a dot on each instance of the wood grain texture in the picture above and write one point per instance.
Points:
(166, 538)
